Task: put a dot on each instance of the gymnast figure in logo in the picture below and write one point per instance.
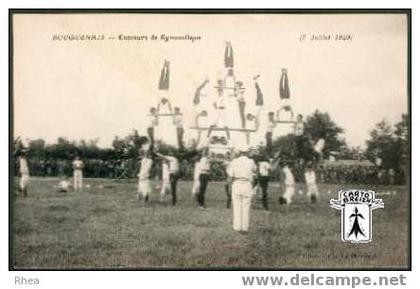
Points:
(356, 229)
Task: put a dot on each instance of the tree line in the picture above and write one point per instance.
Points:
(388, 147)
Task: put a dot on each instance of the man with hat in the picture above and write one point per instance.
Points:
(78, 173)
(24, 172)
(242, 172)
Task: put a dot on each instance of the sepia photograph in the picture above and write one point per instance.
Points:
(210, 139)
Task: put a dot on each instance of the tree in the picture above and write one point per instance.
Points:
(63, 149)
(402, 130)
(320, 125)
(37, 148)
(118, 146)
(351, 153)
(286, 147)
(386, 145)
(403, 138)
(128, 147)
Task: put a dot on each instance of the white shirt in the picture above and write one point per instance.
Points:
(310, 177)
(289, 179)
(220, 102)
(77, 164)
(145, 165)
(23, 166)
(152, 121)
(240, 94)
(204, 165)
(173, 164)
(242, 168)
(270, 126)
(227, 167)
(178, 120)
(165, 172)
(230, 81)
(299, 128)
(251, 124)
(264, 168)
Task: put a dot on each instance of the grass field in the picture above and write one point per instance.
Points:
(106, 228)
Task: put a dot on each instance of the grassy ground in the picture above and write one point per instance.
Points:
(106, 227)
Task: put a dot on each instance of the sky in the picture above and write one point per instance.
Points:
(100, 89)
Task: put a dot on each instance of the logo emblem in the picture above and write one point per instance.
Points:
(356, 214)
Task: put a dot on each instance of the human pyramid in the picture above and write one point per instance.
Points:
(245, 174)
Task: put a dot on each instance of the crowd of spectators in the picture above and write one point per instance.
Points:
(128, 168)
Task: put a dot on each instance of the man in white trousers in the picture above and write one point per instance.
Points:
(196, 180)
(310, 179)
(78, 174)
(289, 185)
(242, 172)
(144, 187)
(24, 174)
(166, 184)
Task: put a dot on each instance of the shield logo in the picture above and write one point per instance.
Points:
(356, 214)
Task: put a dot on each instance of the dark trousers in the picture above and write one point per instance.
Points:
(164, 78)
(263, 182)
(299, 142)
(173, 179)
(269, 141)
(204, 179)
(228, 195)
(180, 136)
(284, 86)
(241, 104)
(151, 134)
(260, 98)
(229, 56)
(197, 93)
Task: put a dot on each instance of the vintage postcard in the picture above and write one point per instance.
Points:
(200, 139)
